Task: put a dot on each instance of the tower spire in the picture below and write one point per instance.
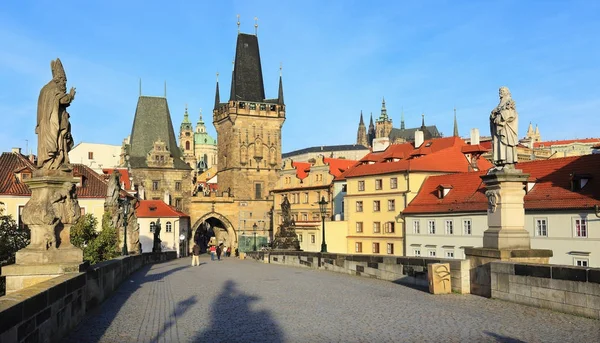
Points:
(217, 96)
(423, 120)
(402, 119)
(384, 115)
(256, 26)
(280, 96)
(238, 23)
(455, 124)
(186, 118)
(361, 119)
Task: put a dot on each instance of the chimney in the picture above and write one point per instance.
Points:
(474, 136)
(419, 138)
(380, 144)
(16, 150)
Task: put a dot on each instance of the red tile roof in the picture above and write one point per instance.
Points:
(302, 169)
(552, 189)
(93, 185)
(124, 176)
(434, 155)
(157, 209)
(548, 144)
(338, 165)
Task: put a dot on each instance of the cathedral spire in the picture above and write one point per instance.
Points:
(530, 130)
(423, 121)
(384, 115)
(371, 123)
(217, 96)
(402, 119)
(361, 119)
(280, 97)
(455, 124)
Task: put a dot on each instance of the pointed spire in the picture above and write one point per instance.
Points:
(402, 120)
(422, 120)
(384, 115)
(238, 23)
(200, 121)
(186, 118)
(217, 96)
(455, 124)
(530, 130)
(280, 97)
(537, 130)
(361, 119)
(371, 123)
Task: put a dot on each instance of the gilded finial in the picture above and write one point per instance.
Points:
(256, 26)
(217, 76)
(233, 65)
(280, 67)
(238, 23)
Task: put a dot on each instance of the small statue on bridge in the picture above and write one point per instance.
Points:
(157, 242)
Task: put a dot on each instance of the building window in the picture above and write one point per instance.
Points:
(168, 227)
(358, 247)
(22, 225)
(187, 144)
(541, 227)
(263, 107)
(580, 227)
(178, 202)
(300, 237)
(390, 227)
(391, 205)
(90, 155)
(378, 184)
(82, 210)
(431, 227)
(155, 185)
(376, 227)
(359, 227)
(359, 206)
(361, 186)
(416, 227)
(319, 177)
(467, 226)
(177, 185)
(305, 198)
(449, 227)
(431, 253)
(449, 253)
(152, 225)
(305, 216)
(312, 238)
(390, 248)
(581, 262)
(252, 106)
(257, 191)
(376, 205)
(417, 252)
(375, 248)
(344, 188)
(394, 183)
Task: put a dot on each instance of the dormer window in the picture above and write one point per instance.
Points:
(530, 185)
(578, 181)
(443, 190)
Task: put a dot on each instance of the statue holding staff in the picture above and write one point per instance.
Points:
(503, 128)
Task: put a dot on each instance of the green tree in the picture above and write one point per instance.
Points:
(97, 247)
(84, 231)
(12, 239)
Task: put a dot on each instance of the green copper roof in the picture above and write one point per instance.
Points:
(204, 138)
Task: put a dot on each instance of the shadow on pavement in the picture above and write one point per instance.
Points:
(233, 320)
(503, 339)
(103, 315)
(179, 310)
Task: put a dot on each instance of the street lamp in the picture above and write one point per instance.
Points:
(125, 204)
(254, 226)
(323, 209)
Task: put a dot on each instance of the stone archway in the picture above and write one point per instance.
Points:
(218, 226)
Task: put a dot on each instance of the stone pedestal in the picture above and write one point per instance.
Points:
(506, 238)
(286, 239)
(49, 215)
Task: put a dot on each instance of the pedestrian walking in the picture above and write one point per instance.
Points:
(228, 253)
(213, 252)
(196, 255)
(219, 251)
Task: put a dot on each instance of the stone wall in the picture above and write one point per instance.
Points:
(411, 271)
(568, 289)
(48, 310)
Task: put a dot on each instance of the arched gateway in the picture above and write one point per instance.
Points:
(215, 225)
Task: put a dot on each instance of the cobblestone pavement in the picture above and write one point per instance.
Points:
(247, 301)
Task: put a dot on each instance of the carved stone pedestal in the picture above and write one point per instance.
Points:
(286, 239)
(506, 238)
(49, 215)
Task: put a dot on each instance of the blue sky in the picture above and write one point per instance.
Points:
(339, 57)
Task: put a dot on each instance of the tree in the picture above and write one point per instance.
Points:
(12, 239)
(84, 231)
(97, 247)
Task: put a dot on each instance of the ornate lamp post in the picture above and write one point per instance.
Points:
(125, 204)
(254, 227)
(323, 209)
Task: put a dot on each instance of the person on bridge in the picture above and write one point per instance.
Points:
(213, 252)
(219, 251)
(196, 255)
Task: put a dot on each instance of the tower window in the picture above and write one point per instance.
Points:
(242, 104)
(273, 107)
(263, 107)
(252, 106)
(187, 145)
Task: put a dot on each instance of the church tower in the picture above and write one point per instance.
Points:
(361, 136)
(186, 140)
(248, 128)
(384, 123)
(205, 147)
(371, 132)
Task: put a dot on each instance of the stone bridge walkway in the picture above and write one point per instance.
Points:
(246, 301)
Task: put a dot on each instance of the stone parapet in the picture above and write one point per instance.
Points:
(48, 310)
(574, 290)
(410, 271)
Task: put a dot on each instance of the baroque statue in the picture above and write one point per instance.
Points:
(286, 238)
(53, 127)
(504, 122)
